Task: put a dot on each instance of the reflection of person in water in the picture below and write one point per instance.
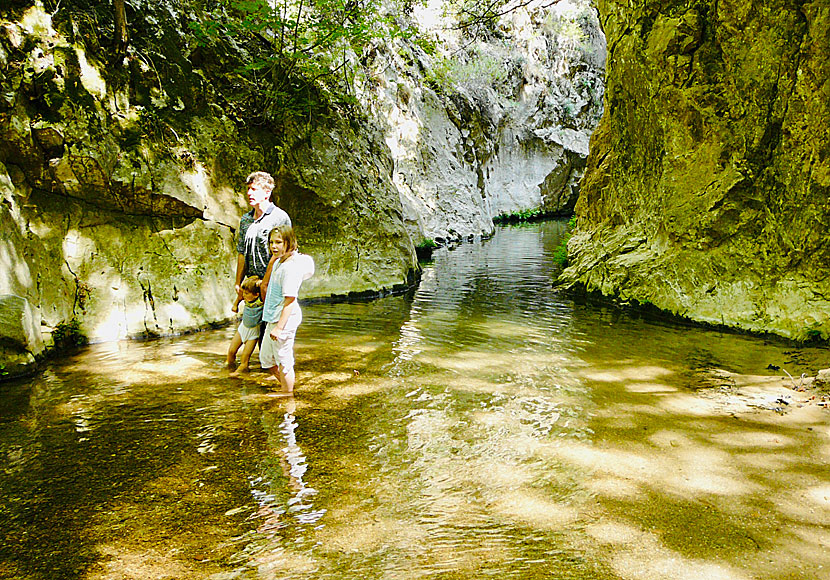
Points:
(293, 464)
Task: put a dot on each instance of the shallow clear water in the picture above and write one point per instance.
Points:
(483, 426)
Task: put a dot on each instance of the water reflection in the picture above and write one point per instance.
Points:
(275, 513)
(483, 425)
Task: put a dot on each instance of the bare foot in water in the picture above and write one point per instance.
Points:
(240, 371)
(273, 384)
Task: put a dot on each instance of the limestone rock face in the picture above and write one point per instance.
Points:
(706, 191)
(20, 336)
(338, 190)
(492, 122)
(122, 176)
(19, 326)
(122, 184)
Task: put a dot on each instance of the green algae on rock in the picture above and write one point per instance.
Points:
(706, 192)
(121, 168)
(123, 178)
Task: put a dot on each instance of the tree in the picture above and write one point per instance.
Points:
(120, 17)
(297, 50)
(476, 16)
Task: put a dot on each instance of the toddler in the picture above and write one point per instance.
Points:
(247, 333)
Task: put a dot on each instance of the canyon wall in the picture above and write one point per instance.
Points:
(488, 121)
(122, 174)
(123, 183)
(706, 191)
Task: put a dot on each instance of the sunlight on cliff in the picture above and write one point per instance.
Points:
(76, 248)
(114, 326)
(18, 273)
(431, 15)
(92, 80)
(36, 21)
(197, 180)
(404, 141)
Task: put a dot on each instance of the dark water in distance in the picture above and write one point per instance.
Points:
(482, 426)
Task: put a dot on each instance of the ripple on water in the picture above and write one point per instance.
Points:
(461, 448)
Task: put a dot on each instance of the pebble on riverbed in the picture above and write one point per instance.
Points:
(747, 393)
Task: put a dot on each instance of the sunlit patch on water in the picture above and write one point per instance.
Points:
(481, 426)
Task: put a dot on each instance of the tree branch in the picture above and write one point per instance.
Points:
(482, 17)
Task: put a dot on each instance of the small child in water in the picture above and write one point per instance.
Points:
(286, 271)
(248, 332)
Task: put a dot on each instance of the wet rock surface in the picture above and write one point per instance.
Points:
(121, 175)
(122, 181)
(20, 337)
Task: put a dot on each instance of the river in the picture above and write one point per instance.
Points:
(485, 425)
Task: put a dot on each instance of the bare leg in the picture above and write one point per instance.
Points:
(287, 380)
(275, 372)
(245, 357)
(235, 344)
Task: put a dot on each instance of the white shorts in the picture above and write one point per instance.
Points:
(247, 333)
(277, 352)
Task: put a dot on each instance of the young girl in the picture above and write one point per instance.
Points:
(286, 271)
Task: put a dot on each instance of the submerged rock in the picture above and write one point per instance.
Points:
(706, 192)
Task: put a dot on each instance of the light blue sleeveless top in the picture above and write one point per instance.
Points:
(252, 315)
(291, 274)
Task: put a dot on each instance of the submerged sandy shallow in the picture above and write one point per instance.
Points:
(483, 427)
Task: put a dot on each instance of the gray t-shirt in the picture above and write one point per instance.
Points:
(252, 238)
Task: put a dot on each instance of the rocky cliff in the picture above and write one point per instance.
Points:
(121, 173)
(490, 120)
(706, 192)
(123, 182)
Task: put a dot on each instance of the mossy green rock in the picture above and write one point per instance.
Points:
(21, 342)
(122, 180)
(706, 192)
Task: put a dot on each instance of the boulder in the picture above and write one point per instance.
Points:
(21, 342)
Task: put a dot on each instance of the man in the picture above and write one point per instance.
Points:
(254, 227)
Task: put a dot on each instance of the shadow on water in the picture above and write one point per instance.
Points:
(106, 470)
(481, 426)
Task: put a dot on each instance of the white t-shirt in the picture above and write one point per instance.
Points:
(286, 281)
